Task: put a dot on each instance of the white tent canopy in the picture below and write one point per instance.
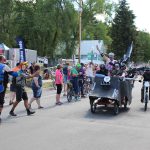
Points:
(4, 47)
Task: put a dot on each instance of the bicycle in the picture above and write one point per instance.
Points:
(88, 85)
(52, 77)
(146, 86)
(145, 91)
(71, 92)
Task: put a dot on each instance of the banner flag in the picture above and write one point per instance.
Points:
(127, 56)
(21, 45)
(129, 51)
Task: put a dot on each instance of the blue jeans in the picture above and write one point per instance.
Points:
(74, 82)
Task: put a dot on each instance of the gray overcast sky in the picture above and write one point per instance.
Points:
(141, 9)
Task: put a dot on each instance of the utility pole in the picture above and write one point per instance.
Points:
(80, 29)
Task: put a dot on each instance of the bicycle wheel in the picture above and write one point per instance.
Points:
(125, 103)
(116, 108)
(85, 91)
(146, 101)
(54, 85)
(69, 96)
(93, 108)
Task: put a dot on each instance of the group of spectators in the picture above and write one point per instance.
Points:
(19, 74)
(75, 74)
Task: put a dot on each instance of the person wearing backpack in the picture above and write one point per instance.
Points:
(4, 71)
(36, 87)
(12, 85)
(20, 89)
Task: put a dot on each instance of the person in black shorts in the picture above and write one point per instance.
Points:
(59, 83)
(59, 88)
(20, 89)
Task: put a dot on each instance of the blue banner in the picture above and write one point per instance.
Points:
(21, 45)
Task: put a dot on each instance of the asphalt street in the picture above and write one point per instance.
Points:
(72, 126)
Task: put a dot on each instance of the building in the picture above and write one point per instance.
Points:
(89, 53)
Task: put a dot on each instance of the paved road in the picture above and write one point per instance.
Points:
(73, 127)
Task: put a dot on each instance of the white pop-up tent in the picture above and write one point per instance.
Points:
(3, 47)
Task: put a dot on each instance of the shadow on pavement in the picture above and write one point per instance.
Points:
(105, 113)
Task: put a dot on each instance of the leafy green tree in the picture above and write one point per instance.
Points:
(123, 30)
(6, 8)
(93, 29)
(51, 26)
(143, 46)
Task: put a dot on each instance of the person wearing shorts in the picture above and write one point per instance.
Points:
(36, 87)
(20, 90)
(12, 85)
(59, 83)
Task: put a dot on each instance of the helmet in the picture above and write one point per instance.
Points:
(117, 65)
(102, 66)
(78, 65)
(111, 54)
(24, 63)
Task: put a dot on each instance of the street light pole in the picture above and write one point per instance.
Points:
(80, 30)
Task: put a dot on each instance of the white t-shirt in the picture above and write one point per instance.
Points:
(89, 71)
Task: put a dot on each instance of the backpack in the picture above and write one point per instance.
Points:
(65, 70)
(1, 77)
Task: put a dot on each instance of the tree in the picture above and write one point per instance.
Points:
(143, 46)
(6, 8)
(123, 30)
(93, 29)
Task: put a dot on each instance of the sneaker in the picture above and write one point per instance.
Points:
(10, 102)
(40, 107)
(30, 112)
(59, 103)
(83, 96)
(12, 113)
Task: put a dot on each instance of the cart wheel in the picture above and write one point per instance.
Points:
(93, 108)
(69, 96)
(146, 101)
(125, 103)
(116, 108)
